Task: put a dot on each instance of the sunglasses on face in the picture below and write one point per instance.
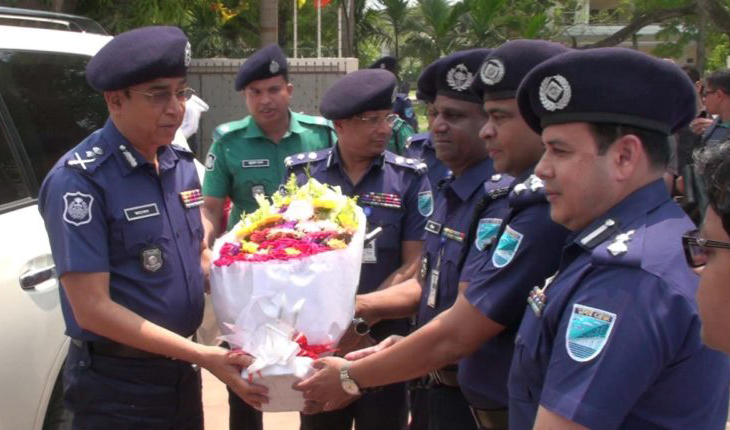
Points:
(695, 248)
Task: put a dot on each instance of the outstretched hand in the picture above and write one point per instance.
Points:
(324, 386)
(365, 352)
(227, 366)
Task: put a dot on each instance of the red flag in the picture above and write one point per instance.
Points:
(321, 3)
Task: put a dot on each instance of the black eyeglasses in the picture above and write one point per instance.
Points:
(706, 93)
(162, 97)
(695, 248)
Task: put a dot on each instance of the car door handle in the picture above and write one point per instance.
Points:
(33, 277)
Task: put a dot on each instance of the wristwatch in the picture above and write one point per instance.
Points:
(347, 383)
(360, 326)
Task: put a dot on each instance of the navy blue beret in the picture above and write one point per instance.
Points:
(456, 72)
(265, 63)
(358, 92)
(608, 86)
(503, 70)
(138, 56)
(426, 85)
(388, 63)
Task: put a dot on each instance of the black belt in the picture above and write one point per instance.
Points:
(493, 419)
(116, 349)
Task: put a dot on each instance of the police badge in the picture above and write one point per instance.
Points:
(555, 93)
(587, 332)
(459, 78)
(425, 203)
(77, 208)
(151, 257)
(210, 162)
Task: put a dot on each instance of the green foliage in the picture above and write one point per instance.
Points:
(718, 49)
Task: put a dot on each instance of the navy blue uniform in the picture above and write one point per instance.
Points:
(618, 343)
(478, 196)
(526, 253)
(395, 195)
(716, 133)
(420, 146)
(106, 209)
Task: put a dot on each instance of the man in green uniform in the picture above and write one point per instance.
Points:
(247, 156)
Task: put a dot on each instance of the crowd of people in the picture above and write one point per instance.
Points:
(537, 266)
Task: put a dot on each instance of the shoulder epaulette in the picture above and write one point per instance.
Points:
(87, 156)
(497, 186)
(228, 127)
(417, 139)
(615, 246)
(180, 148)
(410, 163)
(528, 193)
(314, 120)
(307, 157)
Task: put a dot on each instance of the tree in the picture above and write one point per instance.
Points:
(396, 14)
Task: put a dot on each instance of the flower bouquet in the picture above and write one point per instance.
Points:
(283, 283)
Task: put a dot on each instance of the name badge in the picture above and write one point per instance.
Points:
(369, 254)
(433, 227)
(247, 164)
(140, 212)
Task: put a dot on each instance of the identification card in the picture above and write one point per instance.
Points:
(433, 288)
(369, 254)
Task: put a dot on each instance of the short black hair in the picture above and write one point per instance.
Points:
(719, 80)
(692, 72)
(655, 144)
(713, 163)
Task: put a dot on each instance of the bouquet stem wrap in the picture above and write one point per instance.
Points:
(271, 309)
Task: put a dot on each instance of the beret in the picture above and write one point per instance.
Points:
(138, 56)
(426, 85)
(358, 92)
(388, 63)
(609, 86)
(503, 70)
(454, 74)
(265, 63)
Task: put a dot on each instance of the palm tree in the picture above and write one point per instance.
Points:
(396, 13)
(438, 33)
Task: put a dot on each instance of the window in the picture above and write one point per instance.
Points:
(12, 187)
(50, 103)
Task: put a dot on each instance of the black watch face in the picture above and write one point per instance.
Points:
(362, 328)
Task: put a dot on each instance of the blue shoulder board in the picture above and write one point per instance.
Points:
(527, 193)
(306, 157)
(497, 186)
(623, 248)
(88, 155)
(417, 140)
(409, 163)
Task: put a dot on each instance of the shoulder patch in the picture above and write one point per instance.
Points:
(77, 208)
(588, 332)
(487, 230)
(425, 203)
(507, 246)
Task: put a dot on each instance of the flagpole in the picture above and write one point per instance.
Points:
(295, 3)
(339, 31)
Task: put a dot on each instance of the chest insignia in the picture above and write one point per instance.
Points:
(140, 212)
(248, 164)
(454, 235)
(433, 227)
(151, 258)
(381, 199)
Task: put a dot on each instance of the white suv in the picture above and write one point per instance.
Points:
(46, 107)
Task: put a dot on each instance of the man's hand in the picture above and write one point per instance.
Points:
(352, 341)
(227, 366)
(386, 343)
(700, 125)
(324, 386)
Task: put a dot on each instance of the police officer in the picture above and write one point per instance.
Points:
(396, 198)
(613, 340)
(709, 247)
(247, 156)
(402, 105)
(495, 282)
(421, 145)
(121, 211)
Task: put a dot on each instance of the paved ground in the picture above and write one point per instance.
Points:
(215, 404)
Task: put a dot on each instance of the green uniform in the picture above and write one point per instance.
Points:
(401, 132)
(243, 162)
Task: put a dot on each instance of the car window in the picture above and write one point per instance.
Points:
(12, 187)
(50, 103)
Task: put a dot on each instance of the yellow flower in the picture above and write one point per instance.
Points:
(249, 247)
(292, 251)
(336, 244)
(324, 203)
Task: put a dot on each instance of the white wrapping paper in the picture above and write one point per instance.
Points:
(261, 305)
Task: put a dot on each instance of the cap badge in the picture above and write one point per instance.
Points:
(492, 71)
(274, 67)
(382, 65)
(555, 92)
(459, 78)
(188, 54)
